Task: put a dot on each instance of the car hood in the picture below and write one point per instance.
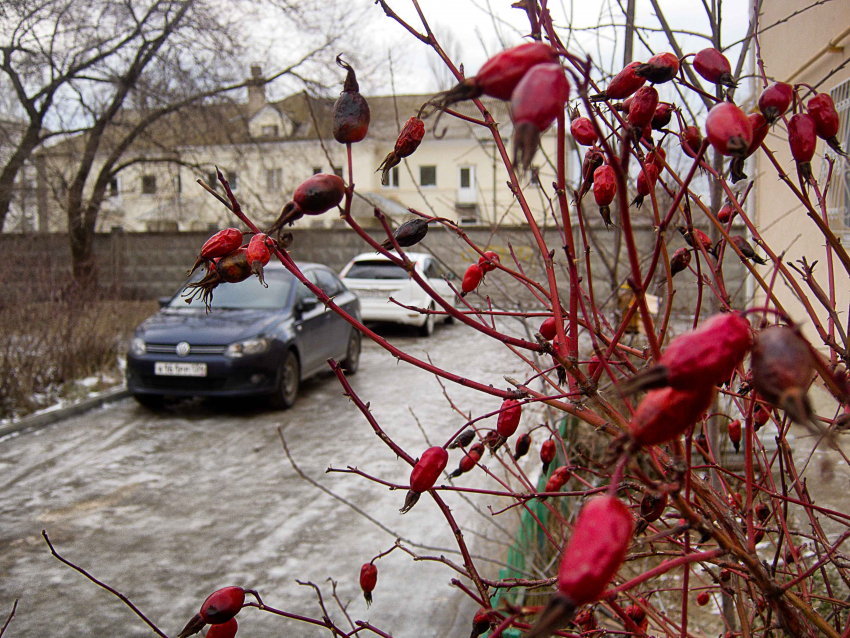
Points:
(218, 327)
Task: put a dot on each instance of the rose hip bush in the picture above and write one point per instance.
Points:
(659, 409)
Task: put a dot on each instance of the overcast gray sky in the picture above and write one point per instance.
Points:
(481, 26)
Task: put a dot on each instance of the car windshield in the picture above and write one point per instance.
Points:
(377, 269)
(248, 294)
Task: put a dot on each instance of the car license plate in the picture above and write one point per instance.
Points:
(167, 369)
(375, 293)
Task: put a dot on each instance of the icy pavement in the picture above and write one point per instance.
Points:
(168, 507)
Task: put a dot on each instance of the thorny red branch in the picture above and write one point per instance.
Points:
(687, 372)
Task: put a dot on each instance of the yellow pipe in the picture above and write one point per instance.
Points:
(832, 44)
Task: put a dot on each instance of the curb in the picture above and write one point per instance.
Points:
(39, 421)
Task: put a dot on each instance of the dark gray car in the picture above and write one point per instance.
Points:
(254, 340)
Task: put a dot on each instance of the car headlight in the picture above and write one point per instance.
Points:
(137, 346)
(248, 347)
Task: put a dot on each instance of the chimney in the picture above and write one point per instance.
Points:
(256, 90)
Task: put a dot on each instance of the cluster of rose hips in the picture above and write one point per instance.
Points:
(229, 261)
(679, 387)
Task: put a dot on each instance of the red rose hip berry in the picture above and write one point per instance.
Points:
(547, 453)
(594, 553)
(222, 243)
(645, 183)
(735, 434)
(802, 136)
(713, 66)
(508, 421)
(729, 130)
(314, 196)
(424, 474)
(471, 279)
(538, 99)
(217, 609)
(225, 630)
(823, 111)
(783, 368)
(660, 68)
(775, 100)
(547, 329)
(642, 110)
(407, 142)
(604, 190)
(499, 75)
(624, 84)
(665, 414)
(351, 111)
(368, 580)
(691, 140)
(489, 261)
(680, 261)
(583, 132)
(662, 116)
(701, 358)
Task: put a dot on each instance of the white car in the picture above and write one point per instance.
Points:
(374, 279)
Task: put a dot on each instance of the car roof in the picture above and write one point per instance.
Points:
(380, 257)
(275, 264)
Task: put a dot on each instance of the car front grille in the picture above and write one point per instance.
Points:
(167, 348)
(185, 384)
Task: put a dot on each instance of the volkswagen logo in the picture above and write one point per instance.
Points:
(182, 349)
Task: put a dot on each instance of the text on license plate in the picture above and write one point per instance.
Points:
(167, 369)
(375, 293)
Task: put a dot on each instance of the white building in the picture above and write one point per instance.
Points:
(267, 149)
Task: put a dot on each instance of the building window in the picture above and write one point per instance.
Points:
(113, 187)
(230, 176)
(338, 171)
(178, 184)
(317, 170)
(466, 177)
(148, 184)
(269, 130)
(427, 175)
(838, 197)
(274, 180)
(392, 178)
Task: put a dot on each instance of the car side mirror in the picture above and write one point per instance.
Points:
(163, 301)
(307, 303)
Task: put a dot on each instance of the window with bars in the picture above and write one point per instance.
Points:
(838, 197)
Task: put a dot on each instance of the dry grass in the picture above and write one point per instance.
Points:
(46, 346)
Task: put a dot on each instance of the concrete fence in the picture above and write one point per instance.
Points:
(150, 265)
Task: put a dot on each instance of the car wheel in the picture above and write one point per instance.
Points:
(153, 402)
(288, 381)
(427, 328)
(352, 355)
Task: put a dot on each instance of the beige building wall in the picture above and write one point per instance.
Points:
(470, 178)
(806, 49)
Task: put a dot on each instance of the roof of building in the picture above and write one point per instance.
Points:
(227, 123)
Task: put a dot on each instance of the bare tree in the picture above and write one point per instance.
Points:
(105, 72)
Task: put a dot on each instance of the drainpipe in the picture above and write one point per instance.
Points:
(831, 46)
